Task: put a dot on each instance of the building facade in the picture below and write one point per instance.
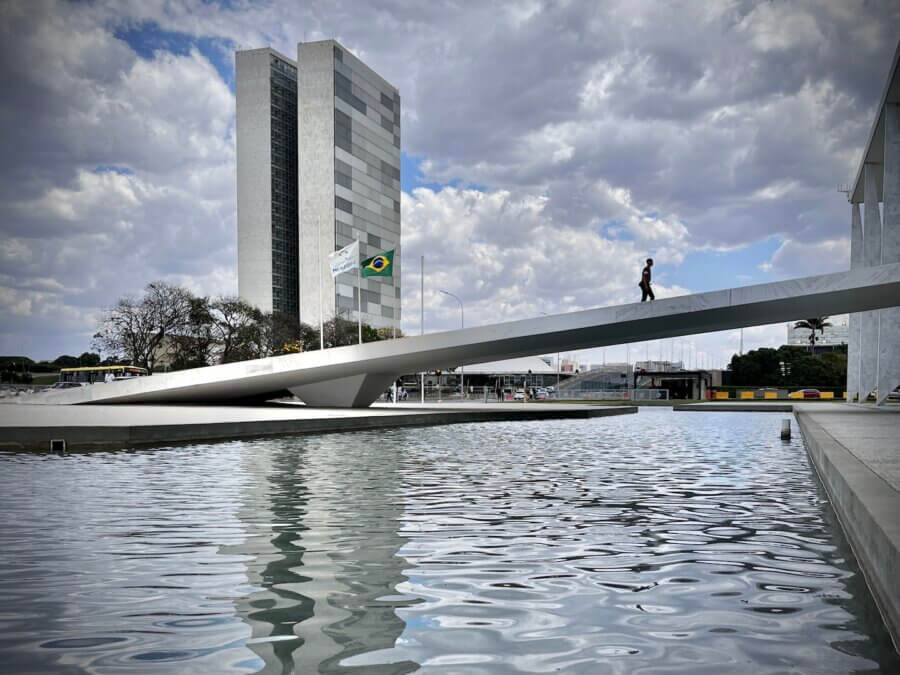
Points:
(344, 182)
(836, 334)
(266, 93)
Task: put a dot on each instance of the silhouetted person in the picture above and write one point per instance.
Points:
(645, 282)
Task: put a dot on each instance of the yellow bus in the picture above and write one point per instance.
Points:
(91, 374)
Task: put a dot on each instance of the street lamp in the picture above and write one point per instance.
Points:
(462, 324)
(557, 366)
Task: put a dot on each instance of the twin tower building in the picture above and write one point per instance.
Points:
(318, 166)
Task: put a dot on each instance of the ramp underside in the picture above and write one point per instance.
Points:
(354, 376)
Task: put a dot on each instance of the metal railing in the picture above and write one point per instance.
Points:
(444, 394)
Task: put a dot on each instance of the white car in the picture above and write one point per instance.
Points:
(519, 395)
(68, 385)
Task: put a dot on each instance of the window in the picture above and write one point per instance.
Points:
(343, 204)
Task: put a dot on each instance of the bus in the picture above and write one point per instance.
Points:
(91, 374)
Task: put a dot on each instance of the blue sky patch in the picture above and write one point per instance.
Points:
(411, 177)
(147, 38)
(714, 270)
(111, 168)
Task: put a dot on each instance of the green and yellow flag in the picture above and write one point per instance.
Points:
(381, 265)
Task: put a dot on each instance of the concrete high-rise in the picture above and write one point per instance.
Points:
(318, 166)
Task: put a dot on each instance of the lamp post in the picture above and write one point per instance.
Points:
(556, 393)
(462, 324)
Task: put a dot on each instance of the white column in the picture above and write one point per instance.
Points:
(868, 343)
(856, 260)
(889, 325)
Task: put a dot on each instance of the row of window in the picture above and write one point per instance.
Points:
(368, 92)
(373, 161)
(368, 140)
(283, 67)
(343, 91)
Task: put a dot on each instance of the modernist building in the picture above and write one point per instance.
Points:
(318, 166)
(832, 336)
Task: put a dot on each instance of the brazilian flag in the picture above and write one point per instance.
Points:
(381, 265)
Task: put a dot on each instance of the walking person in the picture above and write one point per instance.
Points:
(645, 282)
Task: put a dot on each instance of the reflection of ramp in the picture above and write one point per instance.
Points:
(355, 376)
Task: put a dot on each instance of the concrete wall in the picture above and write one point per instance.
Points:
(254, 177)
(874, 347)
(315, 140)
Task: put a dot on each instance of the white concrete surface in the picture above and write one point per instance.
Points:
(855, 318)
(875, 353)
(116, 426)
(315, 155)
(856, 452)
(868, 348)
(253, 126)
(377, 364)
(889, 320)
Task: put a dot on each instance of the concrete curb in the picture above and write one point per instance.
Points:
(735, 407)
(87, 437)
(869, 511)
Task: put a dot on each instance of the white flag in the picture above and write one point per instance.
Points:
(344, 260)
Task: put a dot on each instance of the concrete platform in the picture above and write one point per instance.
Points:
(32, 427)
(855, 450)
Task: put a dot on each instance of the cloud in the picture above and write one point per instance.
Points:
(799, 259)
(125, 174)
(506, 258)
(588, 135)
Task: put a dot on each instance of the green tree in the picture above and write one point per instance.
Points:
(788, 366)
(89, 359)
(232, 322)
(66, 361)
(812, 325)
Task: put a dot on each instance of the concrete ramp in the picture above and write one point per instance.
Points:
(354, 376)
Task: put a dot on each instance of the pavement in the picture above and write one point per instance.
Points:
(855, 450)
(86, 427)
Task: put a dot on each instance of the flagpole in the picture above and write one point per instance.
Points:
(358, 293)
(321, 304)
(422, 316)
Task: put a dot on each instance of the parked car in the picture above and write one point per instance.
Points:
(540, 394)
(68, 385)
(811, 393)
(519, 395)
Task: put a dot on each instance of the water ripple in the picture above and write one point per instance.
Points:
(654, 543)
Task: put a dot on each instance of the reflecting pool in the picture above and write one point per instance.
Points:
(658, 542)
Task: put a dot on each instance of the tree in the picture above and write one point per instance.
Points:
(812, 325)
(89, 359)
(66, 361)
(788, 367)
(192, 347)
(389, 333)
(137, 328)
(232, 323)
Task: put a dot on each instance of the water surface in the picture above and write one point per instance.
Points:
(650, 543)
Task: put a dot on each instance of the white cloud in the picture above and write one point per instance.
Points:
(799, 259)
(508, 259)
(603, 132)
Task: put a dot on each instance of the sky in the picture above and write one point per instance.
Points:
(548, 149)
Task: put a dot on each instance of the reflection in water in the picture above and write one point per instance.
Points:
(323, 539)
(662, 542)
